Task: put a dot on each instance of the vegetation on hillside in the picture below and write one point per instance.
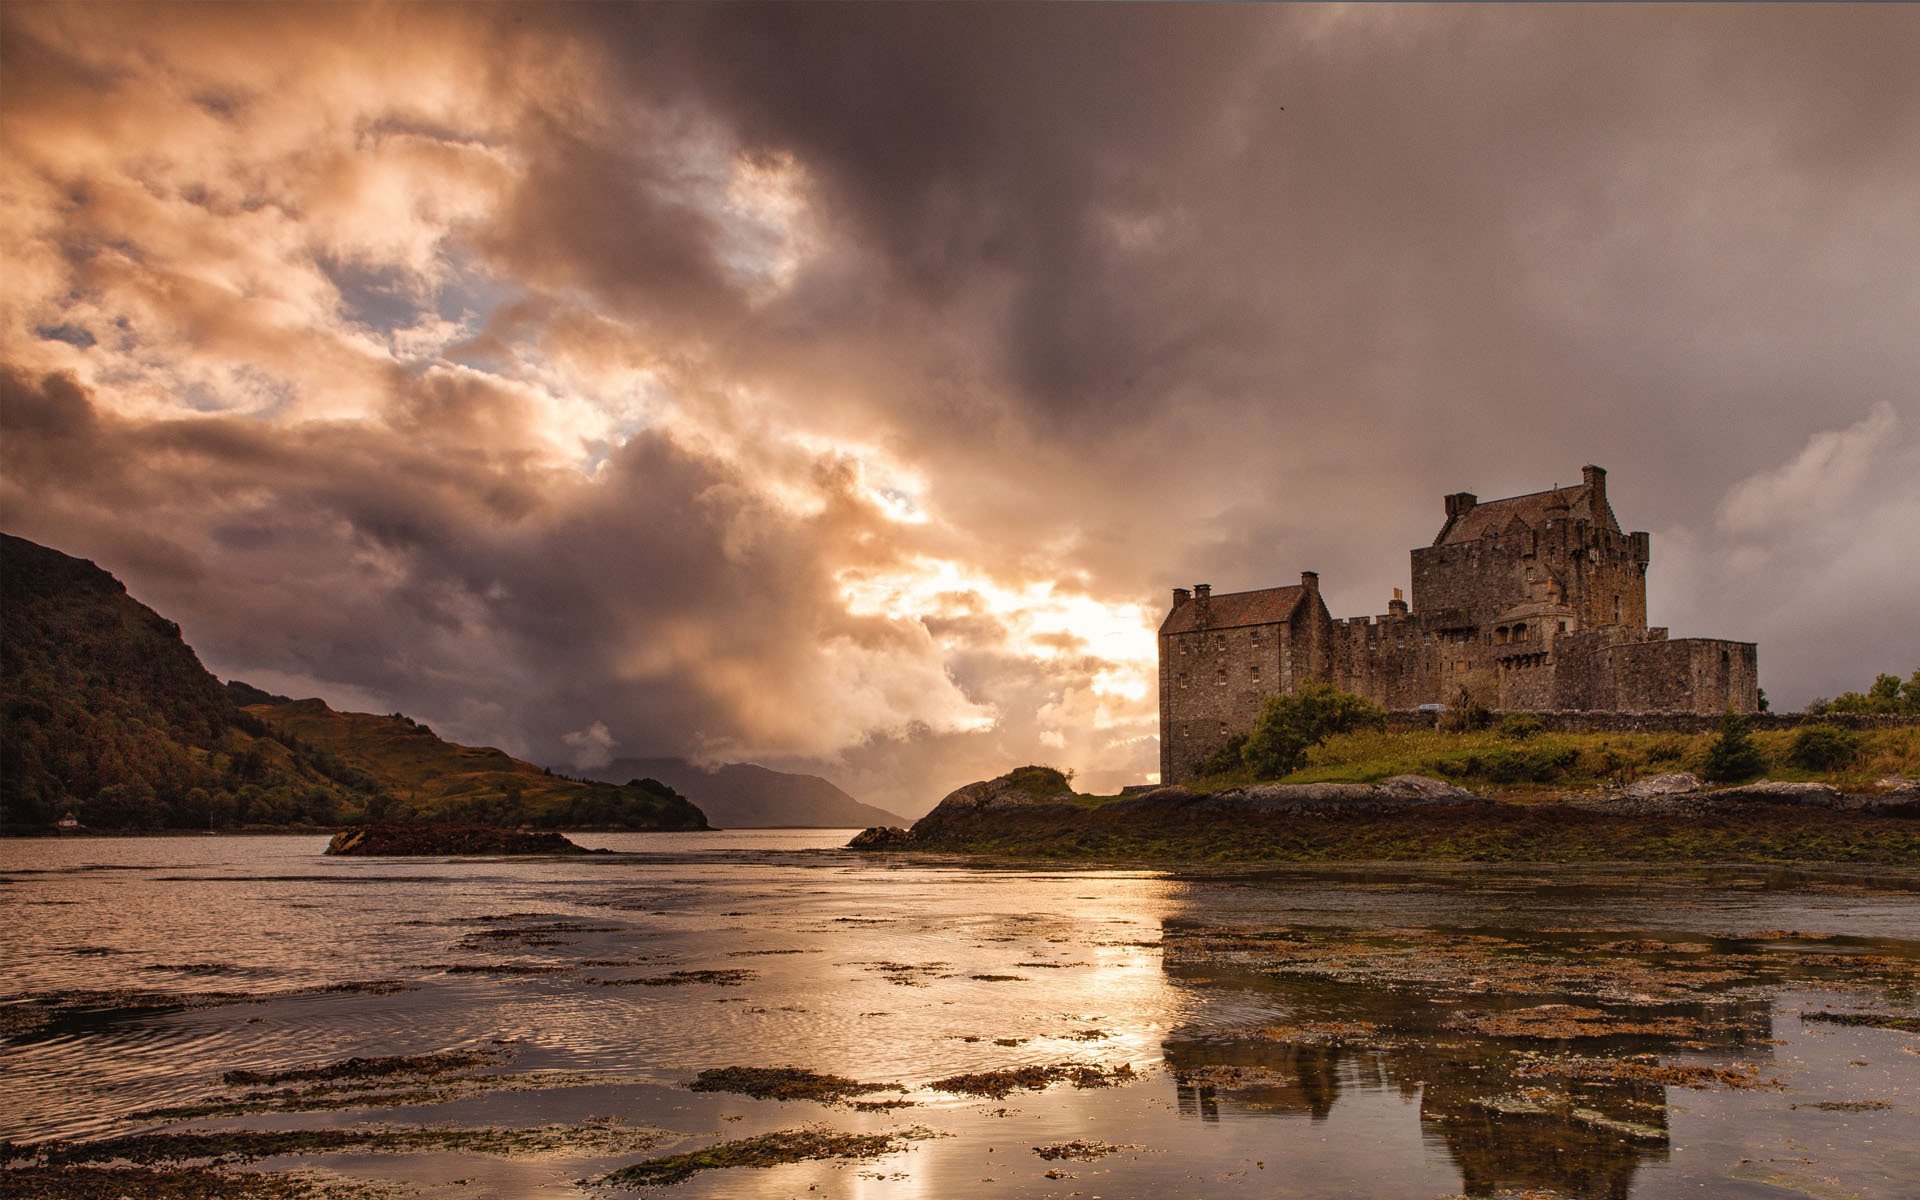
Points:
(105, 713)
(110, 716)
(422, 777)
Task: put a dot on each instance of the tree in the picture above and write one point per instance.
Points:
(1291, 725)
(1734, 756)
(1886, 695)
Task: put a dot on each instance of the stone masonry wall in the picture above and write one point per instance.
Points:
(1672, 722)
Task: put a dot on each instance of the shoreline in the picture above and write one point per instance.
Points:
(1411, 819)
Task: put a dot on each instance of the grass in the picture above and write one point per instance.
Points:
(1556, 762)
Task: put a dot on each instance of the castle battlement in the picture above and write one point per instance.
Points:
(1530, 602)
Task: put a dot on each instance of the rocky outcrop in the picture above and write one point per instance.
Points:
(1031, 800)
(1028, 814)
(882, 837)
(391, 838)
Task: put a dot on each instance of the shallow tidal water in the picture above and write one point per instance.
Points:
(1555, 1032)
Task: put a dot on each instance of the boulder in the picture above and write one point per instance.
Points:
(1672, 783)
(882, 837)
(1770, 791)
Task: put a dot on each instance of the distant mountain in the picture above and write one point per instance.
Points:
(106, 713)
(745, 796)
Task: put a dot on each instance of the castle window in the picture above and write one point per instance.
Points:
(1256, 667)
(1222, 677)
(1563, 627)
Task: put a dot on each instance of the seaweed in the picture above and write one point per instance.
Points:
(784, 1083)
(767, 1150)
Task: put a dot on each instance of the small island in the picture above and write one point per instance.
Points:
(393, 839)
(1321, 778)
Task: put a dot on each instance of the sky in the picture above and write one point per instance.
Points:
(844, 388)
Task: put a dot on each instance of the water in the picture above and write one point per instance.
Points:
(1296, 1033)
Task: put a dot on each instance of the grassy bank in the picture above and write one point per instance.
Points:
(1550, 763)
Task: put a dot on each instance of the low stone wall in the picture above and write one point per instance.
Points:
(1671, 722)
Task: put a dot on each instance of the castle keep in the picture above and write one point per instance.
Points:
(1536, 602)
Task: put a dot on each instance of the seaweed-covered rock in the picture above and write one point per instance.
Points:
(881, 837)
(393, 838)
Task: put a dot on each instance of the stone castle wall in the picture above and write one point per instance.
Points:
(1534, 603)
(1670, 722)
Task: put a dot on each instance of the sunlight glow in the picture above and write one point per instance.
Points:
(1040, 620)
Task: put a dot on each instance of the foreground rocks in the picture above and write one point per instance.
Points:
(1682, 794)
(397, 839)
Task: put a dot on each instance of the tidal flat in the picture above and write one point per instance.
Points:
(762, 1014)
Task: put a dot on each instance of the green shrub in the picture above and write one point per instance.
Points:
(1734, 756)
(1039, 782)
(1289, 725)
(1532, 764)
(1224, 759)
(1520, 726)
(1823, 747)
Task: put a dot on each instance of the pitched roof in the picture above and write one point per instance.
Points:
(1493, 516)
(1268, 606)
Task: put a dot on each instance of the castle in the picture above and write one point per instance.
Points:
(1535, 602)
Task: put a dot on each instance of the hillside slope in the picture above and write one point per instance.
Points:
(747, 796)
(426, 778)
(106, 713)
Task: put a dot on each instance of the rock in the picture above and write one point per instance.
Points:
(1673, 783)
(881, 837)
(1007, 791)
(397, 838)
(1768, 791)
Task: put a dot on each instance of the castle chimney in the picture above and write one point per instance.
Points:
(1596, 480)
(1310, 580)
(1202, 596)
(1460, 503)
(1181, 596)
(1398, 605)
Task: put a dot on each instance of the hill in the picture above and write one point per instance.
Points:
(106, 713)
(427, 778)
(746, 796)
